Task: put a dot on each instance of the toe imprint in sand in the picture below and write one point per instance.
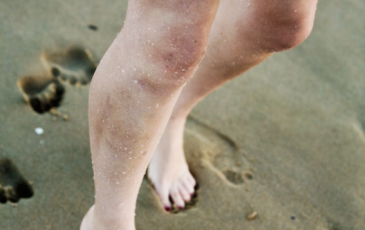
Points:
(74, 65)
(233, 177)
(13, 186)
(42, 93)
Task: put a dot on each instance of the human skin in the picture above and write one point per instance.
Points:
(139, 79)
(132, 95)
(243, 34)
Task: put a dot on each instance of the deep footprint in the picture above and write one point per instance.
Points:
(74, 65)
(13, 186)
(218, 149)
(42, 93)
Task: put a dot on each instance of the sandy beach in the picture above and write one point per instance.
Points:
(282, 147)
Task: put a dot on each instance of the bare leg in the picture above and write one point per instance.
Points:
(243, 34)
(132, 95)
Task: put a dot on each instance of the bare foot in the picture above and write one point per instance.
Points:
(168, 169)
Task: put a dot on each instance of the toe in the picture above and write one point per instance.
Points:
(184, 193)
(191, 180)
(164, 198)
(188, 187)
(177, 198)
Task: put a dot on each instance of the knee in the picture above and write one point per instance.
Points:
(289, 34)
(174, 33)
(181, 50)
(174, 57)
(282, 27)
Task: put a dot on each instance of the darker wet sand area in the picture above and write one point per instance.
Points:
(282, 147)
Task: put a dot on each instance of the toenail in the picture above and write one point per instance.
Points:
(180, 207)
(168, 209)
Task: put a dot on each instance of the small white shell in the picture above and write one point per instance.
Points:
(39, 130)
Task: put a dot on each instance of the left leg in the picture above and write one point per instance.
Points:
(132, 95)
(244, 33)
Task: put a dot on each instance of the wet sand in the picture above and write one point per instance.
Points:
(286, 140)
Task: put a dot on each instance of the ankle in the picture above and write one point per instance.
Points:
(110, 218)
(117, 221)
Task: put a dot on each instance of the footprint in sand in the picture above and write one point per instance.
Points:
(42, 93)
(206, 146)
(13, 186)
(217, 149)
(75, 65)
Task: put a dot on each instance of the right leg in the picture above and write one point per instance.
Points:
(244, 33)
(132, 95)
